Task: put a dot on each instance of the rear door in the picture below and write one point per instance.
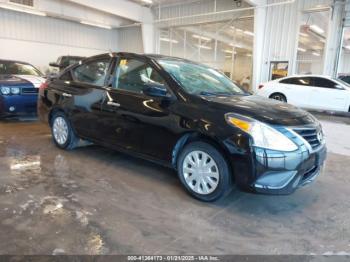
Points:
(326, 95)
(297, 90)
(85, 92)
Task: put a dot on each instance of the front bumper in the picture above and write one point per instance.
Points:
(267, 171)
(284, 172)
(16, 105)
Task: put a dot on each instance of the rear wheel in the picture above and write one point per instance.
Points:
(279, 97)
(62, 132)
(204, 172)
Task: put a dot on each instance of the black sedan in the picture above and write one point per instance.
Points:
(186, 116)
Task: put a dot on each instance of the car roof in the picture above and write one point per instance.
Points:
(321, 76)
(144, 56)
(72, 56)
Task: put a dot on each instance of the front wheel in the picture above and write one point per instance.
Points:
(204, 172)
(279, 97)
(62, 132)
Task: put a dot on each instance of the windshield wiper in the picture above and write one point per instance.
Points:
(205, 93)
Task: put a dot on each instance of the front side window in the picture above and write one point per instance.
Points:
(134, 76)
(15, 68)
(199, 79)
(92, 72)
(323, 82)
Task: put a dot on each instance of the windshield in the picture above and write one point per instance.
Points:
(199, 79)
(15, 68)
(339, 81)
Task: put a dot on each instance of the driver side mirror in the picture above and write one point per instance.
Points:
(155, 90)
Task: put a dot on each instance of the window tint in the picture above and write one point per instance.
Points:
(67, 76)
(93, 72)
(301, 81)
(134, 75)
(346, 79)
(323, 82)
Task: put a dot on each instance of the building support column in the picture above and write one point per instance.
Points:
(259, 38)
(148, 38)
(332, 50)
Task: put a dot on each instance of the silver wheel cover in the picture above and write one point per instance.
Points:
(201, 173)
(60, 130)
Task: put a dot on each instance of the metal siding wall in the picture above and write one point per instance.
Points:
(40, 40)
(25, 27)
(198, 8)
(130, 39)
(280, 36)
(281, 32)
(347, 18)
(308, 4)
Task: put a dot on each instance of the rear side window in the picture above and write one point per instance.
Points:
(323, 82)
(301, 81)
(92, 72)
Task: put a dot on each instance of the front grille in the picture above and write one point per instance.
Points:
(309, 173)
(29, 90)
(310, 135)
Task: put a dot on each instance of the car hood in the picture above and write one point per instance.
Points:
(262, 109)
(15, 80)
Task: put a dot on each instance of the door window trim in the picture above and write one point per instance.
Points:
(297, 78)
(138, 94)
(92, 60)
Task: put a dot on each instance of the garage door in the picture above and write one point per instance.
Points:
(347, 19)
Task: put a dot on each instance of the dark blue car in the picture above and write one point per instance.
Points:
(19, 85)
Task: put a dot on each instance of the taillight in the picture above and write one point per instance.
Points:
(44, 85)
(261, 86)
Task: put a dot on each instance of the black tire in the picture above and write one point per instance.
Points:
(225, 178)
(279, 97)
(72, 139)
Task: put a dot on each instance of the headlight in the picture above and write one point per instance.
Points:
(15, 90)
(5, 90)
(263, 135)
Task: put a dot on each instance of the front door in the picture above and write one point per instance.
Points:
(297, 90)
(134, 120)
(327, 96)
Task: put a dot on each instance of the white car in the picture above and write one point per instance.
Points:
(310, 92)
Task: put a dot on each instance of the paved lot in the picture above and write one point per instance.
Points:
(96, 201)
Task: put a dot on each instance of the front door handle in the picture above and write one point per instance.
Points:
(67, 95)
(113, 104)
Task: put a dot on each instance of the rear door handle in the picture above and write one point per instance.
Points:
(113, 104)
(67, 95)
